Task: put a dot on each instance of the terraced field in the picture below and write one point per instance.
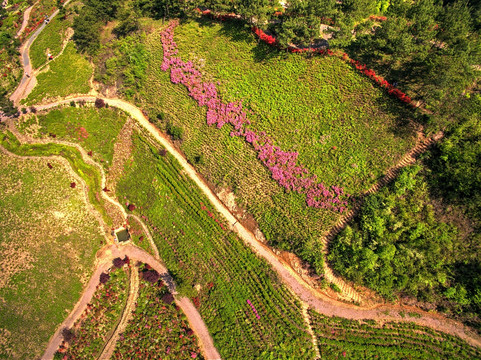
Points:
(338, 337)
(352, 132)
(237, 294)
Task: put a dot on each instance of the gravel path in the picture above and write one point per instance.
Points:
(104, 261)
(303, 290)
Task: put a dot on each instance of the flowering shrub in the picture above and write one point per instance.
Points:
(90, 331)
(282, 165)
(253, 309)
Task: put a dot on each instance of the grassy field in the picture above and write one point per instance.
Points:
(94, 129)
(157, 328)
(48, 241)
(87, 172)
(345, 129)
(304, 105)
(50, 41)
(68, 74)
(365, 339)
(210, 264)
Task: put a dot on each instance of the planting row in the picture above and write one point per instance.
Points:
(88, 336)
(366, 339)
(283, 166)
(246, 309)
(158, 328)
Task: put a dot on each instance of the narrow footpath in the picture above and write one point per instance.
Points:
(104, 262)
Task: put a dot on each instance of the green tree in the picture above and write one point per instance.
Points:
(87, 32)
(358, 9)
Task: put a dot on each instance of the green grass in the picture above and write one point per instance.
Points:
(48, 241)
(102, 127)
(305, 104)
(365, 339)
(68, 74)
(50, 38)
(88, 173)
(197, 251)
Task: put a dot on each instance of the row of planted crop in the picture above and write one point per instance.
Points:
(408, 336)
(404, 329)
(237, 276)
(87, 337)
(283, 166)
(157, 328)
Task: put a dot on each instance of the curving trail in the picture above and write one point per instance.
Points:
(408, 159)
(109, 346)
(26, 17)
(299, 286)
(121, 213)
(295, 282)
(106, 255)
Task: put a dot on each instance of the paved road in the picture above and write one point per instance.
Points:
(25, 60)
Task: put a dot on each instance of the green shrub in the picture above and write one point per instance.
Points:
(176, 132)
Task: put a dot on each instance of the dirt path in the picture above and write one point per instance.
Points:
(73, 174)
(410, 158)
(114, 209)
(307, 320)
(26, 17)
(109, 347)
(105, 257)
(301, 288)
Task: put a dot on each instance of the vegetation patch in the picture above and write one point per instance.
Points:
(345, 130)
(366, 339)
(96, 130)
(49, 41)
(158, 327)
(89, 173)
(405, 242)
(48, 241)
(86, 339)
(68, 74)
(210, 264)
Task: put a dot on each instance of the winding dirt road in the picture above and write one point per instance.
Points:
(295, 282)
(105, 257)
(303, 290)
